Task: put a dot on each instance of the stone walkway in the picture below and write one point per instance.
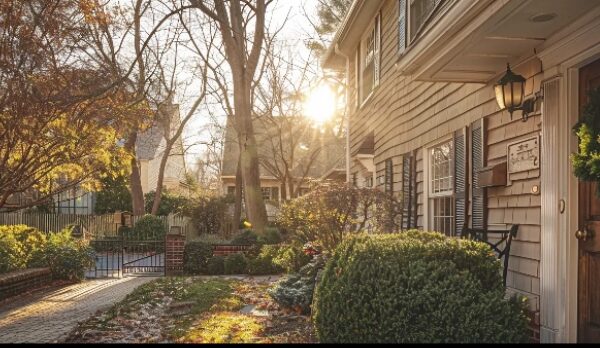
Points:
(46, 316)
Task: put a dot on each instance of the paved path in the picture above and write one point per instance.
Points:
(48, 315)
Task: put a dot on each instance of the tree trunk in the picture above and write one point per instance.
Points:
(237, 209)
(161, 177)
(283, 191)
(135, 178)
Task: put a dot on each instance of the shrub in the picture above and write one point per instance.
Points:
(170, 203)
(67, 258)
(295, 291)
(291, 257)
(19, 245)
(216, 265)
(263, 263)
(149, 227)
(271, 236)
(196, 256)
(327, 213)
(247, 237)
(415, 287)
(12, 256)
(235, 264)
(208, 214)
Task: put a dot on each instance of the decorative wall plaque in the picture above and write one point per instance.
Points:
(524, 155)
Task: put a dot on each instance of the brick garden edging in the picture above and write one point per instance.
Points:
(17, 282)
(225, 250)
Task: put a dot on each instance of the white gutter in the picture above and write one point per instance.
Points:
(346, 110)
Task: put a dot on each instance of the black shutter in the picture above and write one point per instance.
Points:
(460, 181)
(477, 157)
(389, 176)
(407, 192)
(401, 25)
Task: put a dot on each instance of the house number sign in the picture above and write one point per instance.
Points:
(524, 155)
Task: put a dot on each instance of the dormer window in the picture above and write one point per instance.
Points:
(369, 60)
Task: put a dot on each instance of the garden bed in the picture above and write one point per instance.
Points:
(197, 310)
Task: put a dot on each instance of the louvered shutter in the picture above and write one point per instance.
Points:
(478, 203)
(377, 53)
(406, 192)
(389, 176)
(460, 181)
(401, 25)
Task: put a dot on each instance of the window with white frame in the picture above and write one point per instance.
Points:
(412, 18)
(441, 188)
(369, 60)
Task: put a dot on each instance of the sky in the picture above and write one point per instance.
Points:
(295, 30)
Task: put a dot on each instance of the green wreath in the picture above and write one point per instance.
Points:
(586, 162)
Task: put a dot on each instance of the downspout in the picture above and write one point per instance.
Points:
(346, 110)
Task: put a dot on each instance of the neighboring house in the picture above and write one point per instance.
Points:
(150, 148)
(328, 157)
(425, 123)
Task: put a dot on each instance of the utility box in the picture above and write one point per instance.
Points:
(493, 175)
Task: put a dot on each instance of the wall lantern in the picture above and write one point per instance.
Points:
(510, 92)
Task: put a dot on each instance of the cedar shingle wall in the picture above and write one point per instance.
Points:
(406, 115)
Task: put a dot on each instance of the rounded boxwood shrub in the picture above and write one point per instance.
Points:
(235, 264)
(216, 265)
(247, 237)
(196, 256)
(291, 257)
(19, 247)
(148, 227)
(263, 264)
(271, 236)
(415, 287)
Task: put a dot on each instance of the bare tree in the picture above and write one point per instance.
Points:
(242, 28)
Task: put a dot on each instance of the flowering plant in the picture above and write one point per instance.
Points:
(311, 249)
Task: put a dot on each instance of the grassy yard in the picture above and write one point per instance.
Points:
(196, 310)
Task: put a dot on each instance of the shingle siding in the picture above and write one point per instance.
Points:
(406, 115)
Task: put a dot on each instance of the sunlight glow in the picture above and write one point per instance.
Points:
(320, 105)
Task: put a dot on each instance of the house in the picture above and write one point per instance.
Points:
(150, 147)
(309, 153)
(425, 123)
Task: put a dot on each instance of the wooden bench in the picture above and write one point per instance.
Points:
(501, 247)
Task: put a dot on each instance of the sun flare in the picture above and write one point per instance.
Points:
(320, 105)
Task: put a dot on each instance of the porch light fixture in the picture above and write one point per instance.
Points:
(510, 92)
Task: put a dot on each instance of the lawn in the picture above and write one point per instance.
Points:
(197, 310)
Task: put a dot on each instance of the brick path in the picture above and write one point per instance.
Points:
(46, 316)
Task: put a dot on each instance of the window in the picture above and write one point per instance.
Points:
(275, 193)
(369, 182)
(369, 60)
(412, 18)
(354, 179)
(441, 188)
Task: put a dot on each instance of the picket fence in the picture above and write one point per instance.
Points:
(95, 226)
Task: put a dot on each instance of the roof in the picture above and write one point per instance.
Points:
(346, 38)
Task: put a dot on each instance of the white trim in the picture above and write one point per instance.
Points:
(558, 307)
(426, 165)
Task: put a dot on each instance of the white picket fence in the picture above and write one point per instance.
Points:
(96, 226)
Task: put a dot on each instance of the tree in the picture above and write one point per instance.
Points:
(57, 111)
(114, 195)
(294, 149)
(242, 28)
(330, 14)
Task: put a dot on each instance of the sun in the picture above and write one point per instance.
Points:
(320, 105)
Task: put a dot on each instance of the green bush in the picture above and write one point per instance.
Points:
(67, 258)
(271, 236)
(248, 237)
(295, 290)
(148, 227)
(235, 264)
(208, 214)
(415, 287)
(291, 257)
(196, 256)
(263, 263)
(216, 265)
(19, 245)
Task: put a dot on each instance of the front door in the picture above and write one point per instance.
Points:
(588, 234)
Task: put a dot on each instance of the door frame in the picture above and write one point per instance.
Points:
(559, 275)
